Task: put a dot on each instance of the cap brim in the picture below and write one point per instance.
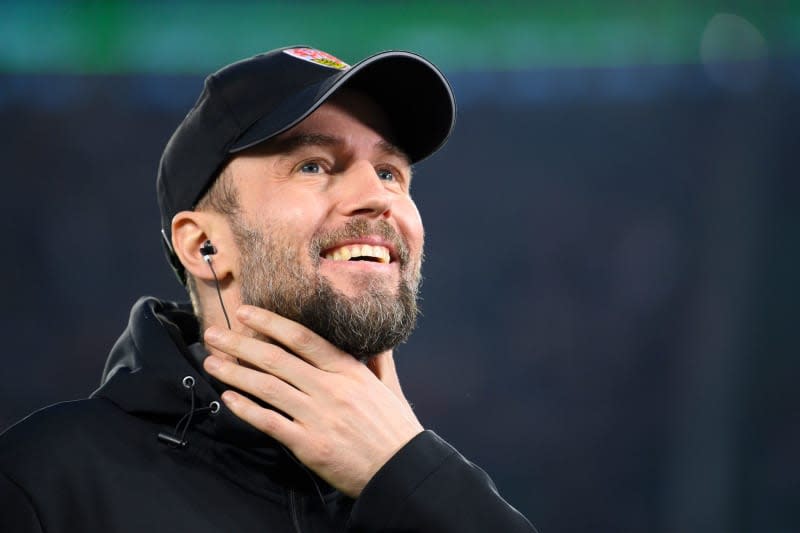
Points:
(414, 95)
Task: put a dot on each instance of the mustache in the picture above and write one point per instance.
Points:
(357, 228)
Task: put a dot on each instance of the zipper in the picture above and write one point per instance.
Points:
(293, 511)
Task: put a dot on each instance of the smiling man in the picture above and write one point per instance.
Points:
(285, 201)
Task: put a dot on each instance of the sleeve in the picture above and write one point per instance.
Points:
(18, 513)
(429, 487)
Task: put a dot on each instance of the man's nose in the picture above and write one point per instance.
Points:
(362, 192)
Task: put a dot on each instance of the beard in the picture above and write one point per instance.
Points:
(274, 278)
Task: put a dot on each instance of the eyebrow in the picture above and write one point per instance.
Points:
(300, 140)
(293, 142)
(394, 150)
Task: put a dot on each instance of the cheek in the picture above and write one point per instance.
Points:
(410, 224)
(296, 218)
(288, 231)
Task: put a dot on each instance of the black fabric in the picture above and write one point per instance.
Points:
(98, 465)
(429, 483)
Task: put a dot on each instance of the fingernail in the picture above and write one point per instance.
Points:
(244, 312)
(213, 334)
(213, 363)
(229, 397)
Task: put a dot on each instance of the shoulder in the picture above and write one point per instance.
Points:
(61, 420)
(75, 447)
(62, 432)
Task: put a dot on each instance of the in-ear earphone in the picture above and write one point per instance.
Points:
(207, 250)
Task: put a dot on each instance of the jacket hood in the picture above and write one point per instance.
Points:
(145, 376)
(147, 367)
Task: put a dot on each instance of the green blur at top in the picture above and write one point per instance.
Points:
(198, 37)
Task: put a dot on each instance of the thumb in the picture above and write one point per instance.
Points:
(382, 365)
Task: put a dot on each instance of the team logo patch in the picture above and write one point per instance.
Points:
(317, 56)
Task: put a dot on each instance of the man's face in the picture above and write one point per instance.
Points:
(327, 232)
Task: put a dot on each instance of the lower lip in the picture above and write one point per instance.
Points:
(359, 266)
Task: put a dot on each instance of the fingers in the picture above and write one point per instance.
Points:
(343, 419)
(266, 387)
(296, 338)
(261, 355)
(267, 421)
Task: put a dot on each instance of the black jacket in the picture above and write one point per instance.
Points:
(99, 465)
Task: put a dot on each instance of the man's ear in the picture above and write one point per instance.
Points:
(190, 231)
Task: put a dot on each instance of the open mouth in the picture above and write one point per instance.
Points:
(359, 252)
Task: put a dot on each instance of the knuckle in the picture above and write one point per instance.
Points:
(322, 453)
(268, 358)
(303, 340)
(268, 422)
(267, 387)
(344, 396)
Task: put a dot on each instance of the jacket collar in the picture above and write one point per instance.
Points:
(145, 376)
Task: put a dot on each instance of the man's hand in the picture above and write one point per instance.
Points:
(347, 418)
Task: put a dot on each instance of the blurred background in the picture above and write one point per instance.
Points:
(610, 292)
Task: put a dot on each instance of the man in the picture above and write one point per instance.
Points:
(284, 199)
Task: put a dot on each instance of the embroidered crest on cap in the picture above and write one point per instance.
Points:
(317, 56)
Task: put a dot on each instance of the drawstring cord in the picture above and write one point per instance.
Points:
(175, 440)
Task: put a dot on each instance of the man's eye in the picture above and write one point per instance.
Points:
(386, 174)
(311, 168)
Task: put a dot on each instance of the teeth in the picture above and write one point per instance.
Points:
(345, 253)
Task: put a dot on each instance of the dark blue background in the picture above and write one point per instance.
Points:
(610, 292)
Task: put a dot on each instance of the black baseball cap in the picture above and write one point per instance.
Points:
(253, 100)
